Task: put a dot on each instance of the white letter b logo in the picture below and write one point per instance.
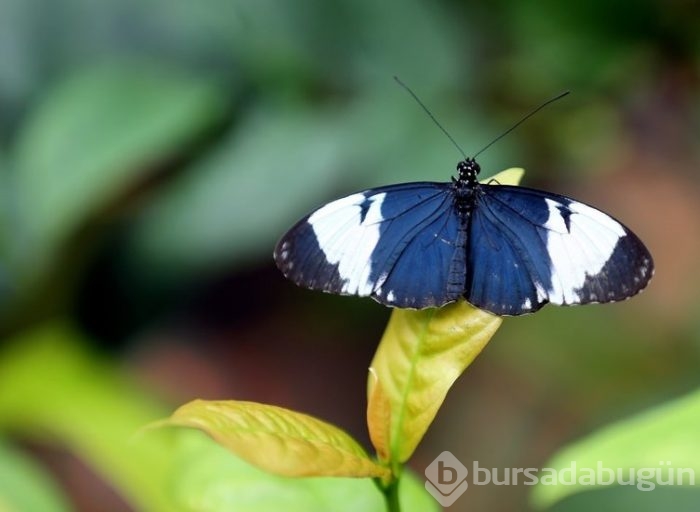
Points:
(446, 479)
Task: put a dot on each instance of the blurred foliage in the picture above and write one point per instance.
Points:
(61, 392)
(152, 152)
(208, 479)
(105, 127)
(668, 435)
(25, 486)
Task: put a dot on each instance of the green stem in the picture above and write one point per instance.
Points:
(391, 496)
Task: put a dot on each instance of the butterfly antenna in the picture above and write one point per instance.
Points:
(430, 114)
(525, 118)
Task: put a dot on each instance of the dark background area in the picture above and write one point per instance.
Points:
(151, 153)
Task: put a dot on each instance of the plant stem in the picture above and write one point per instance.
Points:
(391, 496)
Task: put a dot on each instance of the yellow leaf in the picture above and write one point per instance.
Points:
(419, 357)
(278, 440)
(379, 416)
(510, 176)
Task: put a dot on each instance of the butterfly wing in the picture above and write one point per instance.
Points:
(529, 247)
(403, 245)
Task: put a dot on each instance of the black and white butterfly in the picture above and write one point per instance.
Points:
(506, 249)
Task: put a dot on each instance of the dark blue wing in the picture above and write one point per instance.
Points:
(403, 245)
(529, 247)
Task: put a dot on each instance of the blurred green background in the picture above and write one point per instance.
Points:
(151, 153)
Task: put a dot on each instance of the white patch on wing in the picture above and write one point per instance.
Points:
(541, 292)
(581, 252)
(555, 222)
(347, 240)
(527, 304)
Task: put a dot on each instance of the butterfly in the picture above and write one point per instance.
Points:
(505, 249)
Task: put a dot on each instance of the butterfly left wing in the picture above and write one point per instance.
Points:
(529, 247)
(403, 245)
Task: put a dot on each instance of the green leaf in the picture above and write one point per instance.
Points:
(54, 390)
(652, 439)
(25, 487)
(208, 478)
(419, 357)
(278, 440)
(94, 134)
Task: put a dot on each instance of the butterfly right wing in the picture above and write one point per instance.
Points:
(529, 247)
(403, 245)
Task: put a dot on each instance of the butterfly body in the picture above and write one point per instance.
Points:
(506, 249)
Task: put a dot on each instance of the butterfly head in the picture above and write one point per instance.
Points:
(467, 171)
